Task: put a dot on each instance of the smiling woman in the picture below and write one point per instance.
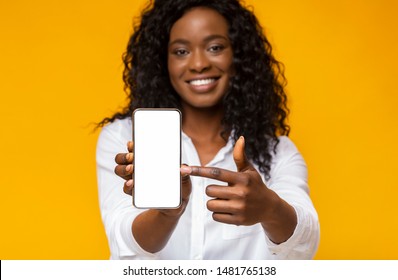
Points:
(211, 60)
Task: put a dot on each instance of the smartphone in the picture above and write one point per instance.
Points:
(157, 158)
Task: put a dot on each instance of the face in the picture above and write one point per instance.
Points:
(200, 57)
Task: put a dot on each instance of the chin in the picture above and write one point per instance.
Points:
(204, 104)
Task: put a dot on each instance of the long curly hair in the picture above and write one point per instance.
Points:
(256, 104)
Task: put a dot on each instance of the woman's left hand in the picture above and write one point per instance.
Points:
(246, 200)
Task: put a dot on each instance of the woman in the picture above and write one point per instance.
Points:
(245, 193)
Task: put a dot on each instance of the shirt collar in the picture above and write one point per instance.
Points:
(221, 154)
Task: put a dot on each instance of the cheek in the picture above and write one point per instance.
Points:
(173, 82)
(175, 69)
(169, 67)
(173, 75)
(226, 64)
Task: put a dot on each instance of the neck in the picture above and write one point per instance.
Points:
(199, 123)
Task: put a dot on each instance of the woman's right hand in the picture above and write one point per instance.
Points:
(125, 169)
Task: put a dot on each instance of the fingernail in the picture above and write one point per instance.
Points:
(128, 167)
(129, 183)
(186, 169)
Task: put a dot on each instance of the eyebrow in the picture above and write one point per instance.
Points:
(207, 39)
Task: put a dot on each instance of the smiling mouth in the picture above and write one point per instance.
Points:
(202, 82)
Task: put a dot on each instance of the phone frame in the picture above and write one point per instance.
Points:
(180, 153)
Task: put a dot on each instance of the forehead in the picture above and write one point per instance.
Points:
(199, 21)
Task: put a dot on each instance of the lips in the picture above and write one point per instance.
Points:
(203, 84)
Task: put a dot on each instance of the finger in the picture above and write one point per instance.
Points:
(185, 184)
(213, 173)
(220, 206)
(130, 146)
(124, 158)
(225, 218)
(185, 170)
(124, 171)
(223, 192)
(240, 156)
(128, 187)
(185, 179)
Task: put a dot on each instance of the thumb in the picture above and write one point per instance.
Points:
(240, 156)
(185, 181)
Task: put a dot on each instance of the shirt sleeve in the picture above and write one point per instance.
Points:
(289, 179)
(116, 207)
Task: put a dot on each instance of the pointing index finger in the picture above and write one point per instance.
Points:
(215, 173)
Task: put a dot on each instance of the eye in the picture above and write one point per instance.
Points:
(216, 48)
(180, 52)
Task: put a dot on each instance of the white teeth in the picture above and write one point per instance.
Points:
(202, 82)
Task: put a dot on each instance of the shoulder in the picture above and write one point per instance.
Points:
(118, 126)
(115, 133)
(285, 146)
(287, 159)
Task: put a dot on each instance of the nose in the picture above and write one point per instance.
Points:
(199, 62)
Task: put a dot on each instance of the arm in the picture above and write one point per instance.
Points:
(116, 210)
(289, 179)
(247, 200)
(153, 228)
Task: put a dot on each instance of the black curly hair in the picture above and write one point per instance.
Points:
(256, 104)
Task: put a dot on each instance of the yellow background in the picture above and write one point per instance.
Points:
(60, 71)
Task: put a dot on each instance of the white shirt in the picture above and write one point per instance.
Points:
(197, 236)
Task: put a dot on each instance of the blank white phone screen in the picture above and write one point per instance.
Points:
(157, 158)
